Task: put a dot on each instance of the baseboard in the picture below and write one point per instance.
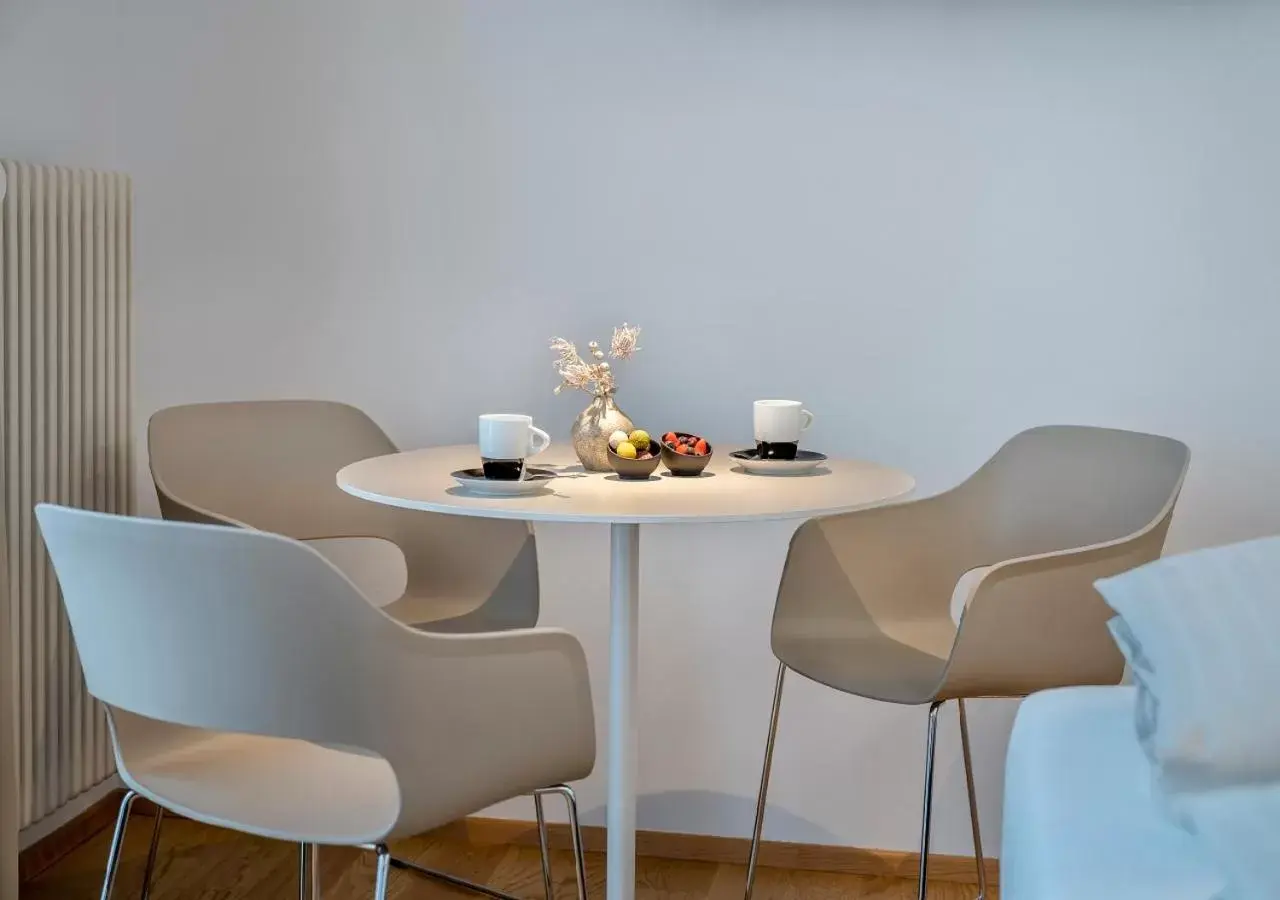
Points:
(709, 848)
(660, 844)
(68, 812)
(46, 851)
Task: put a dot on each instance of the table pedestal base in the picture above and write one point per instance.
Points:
(624, 620)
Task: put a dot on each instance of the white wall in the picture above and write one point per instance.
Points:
(936, 223)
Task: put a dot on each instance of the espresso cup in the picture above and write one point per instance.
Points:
(506, 441)
(778, 424)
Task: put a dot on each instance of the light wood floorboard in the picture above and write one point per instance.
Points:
(198, 862)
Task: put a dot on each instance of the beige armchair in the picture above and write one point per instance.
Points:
(271, 465)
(242, 672)
(866, 600)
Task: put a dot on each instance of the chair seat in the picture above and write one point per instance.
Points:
(451, 615)
(272, 787)
(869, 662)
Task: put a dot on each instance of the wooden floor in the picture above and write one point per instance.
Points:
(198, 862)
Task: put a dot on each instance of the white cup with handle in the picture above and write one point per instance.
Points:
(506, 441)
(778, 426)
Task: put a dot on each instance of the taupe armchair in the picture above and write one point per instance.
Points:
(270, 465)
(865, 602)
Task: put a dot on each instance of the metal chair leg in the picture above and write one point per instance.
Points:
(930, 744)
(571, 801)
(151, 855)
(383, 872)
(575, 836)
(973, 804)
(397, 863)
(304, 871)
(764, 782)
(544, 848)
(117, 844)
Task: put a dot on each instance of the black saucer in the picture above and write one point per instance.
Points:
(531, 474)
(534, 481)
(806, 461)
(811, 457)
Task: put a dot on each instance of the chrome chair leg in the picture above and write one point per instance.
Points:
(151, 854)
(304, 870)
(973, 804)
(930, 744)
(544, 848)
(571, 800)
(397, 863)
(117, 844)
(383, 872)
(764, 782)
(575, 836)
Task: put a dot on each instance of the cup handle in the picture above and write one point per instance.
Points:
(541, 440)
(808, 419)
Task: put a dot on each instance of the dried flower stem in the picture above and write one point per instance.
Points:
(596, 376)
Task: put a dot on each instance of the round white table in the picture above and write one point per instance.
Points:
(420, 479)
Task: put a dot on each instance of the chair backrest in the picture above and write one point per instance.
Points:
(1100, 498)
(271, 465)
(267, 464)
(214, 627)
(1062, 486)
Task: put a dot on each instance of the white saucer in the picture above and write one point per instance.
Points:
(806, 462)
(474, 481)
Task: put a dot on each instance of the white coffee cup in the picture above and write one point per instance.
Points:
(506, 441)
(778, 426)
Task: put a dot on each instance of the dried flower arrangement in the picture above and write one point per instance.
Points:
(594, 376)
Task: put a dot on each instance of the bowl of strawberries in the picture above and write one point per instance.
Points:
(685, 453)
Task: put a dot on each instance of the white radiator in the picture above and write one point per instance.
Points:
(66, 435)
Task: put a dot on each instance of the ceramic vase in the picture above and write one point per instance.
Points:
(591, 430)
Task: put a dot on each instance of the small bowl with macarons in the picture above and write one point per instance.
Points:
(634, 456)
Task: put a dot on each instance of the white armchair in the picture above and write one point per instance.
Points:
(250, 685)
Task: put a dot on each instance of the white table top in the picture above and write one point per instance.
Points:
(421, 479)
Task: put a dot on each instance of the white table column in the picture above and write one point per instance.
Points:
(624, 620)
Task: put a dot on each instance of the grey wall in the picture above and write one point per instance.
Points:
(936, 223)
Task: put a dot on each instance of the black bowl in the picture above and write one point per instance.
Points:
(682, 464)
(637, 469)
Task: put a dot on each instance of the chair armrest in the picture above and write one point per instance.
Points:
(1037, 622)
(889, 563)
(466, 562)
(375, 565)
(476, 719)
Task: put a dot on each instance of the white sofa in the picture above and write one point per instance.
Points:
(1080, 816)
